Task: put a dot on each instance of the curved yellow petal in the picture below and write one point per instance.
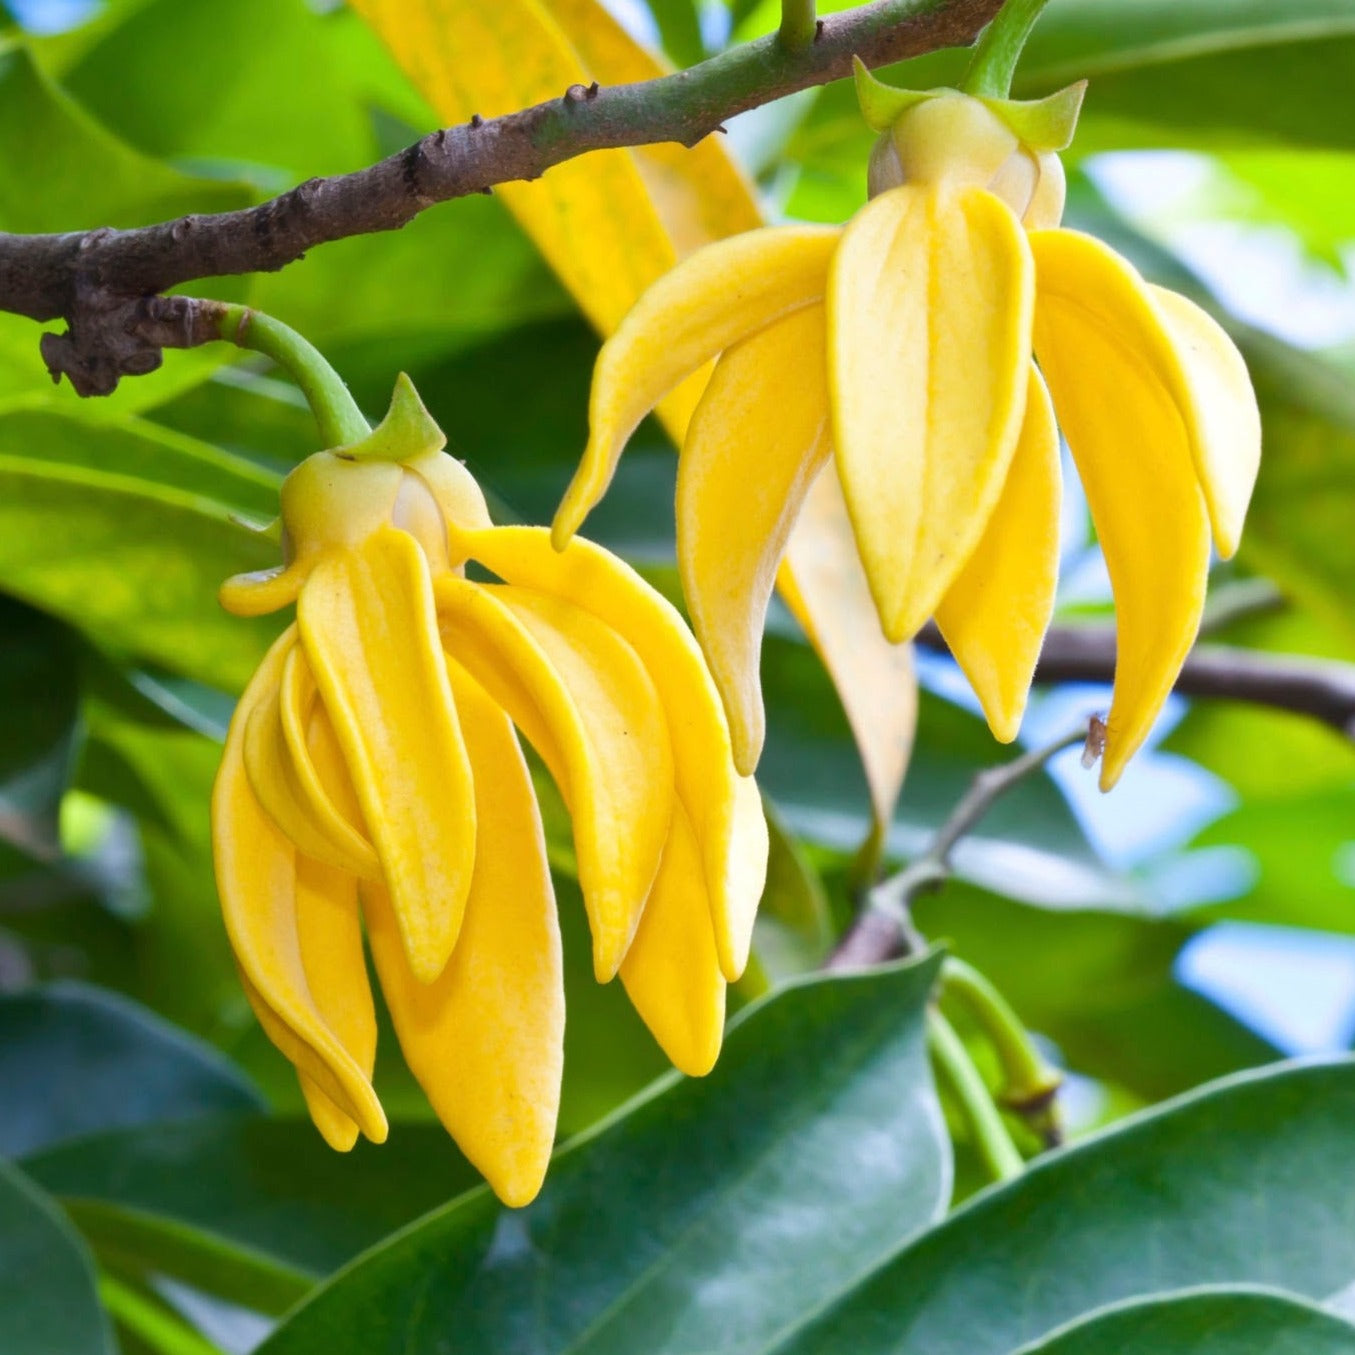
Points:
(299, 709)
(335, 1126)
(995, 615)
(1099, 346)
(263, 590)
(929, 307)
(756, 442)
(1226, 420)
(486, 1038)
(256, 872)
(671, 971)
(571, 682)
(823, 584)
(283, 786)
(594, 580)
(329, 935)
(711, 300)
(370, 634)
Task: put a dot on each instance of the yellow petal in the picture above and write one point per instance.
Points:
(329, 935)
(335, 1126)
(733, 842)
(581, 695)
(370, 634)
(929, 311)
(1111, 372)
(671, 971)
(283, 785)
(995, 614)
(300, 710)
(699, 191)
(823, 584)
(711, 300)
(756, 442)
(486, 1038)
(256, 875)
(263, 590)
(1224, 419)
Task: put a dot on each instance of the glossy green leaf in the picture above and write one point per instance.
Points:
(47, 1298)
(1211, 1322)
(1229, 1185)
(39, 710)
(74, 1059)
(266, 1187)
(127, 532)
(817, 1123)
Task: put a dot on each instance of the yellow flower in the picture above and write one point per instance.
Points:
(372, 771)
(902, 345)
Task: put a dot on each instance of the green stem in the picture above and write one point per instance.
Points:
(335, 410)
(1031, 1082)
(799, 24)
(995, 1145)
(999, 48)
(154, 1325)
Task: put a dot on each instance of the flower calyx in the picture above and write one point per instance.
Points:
(397, 476)
(1008, 146)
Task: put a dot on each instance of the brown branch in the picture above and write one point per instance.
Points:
(1321, 689)
(99, 280)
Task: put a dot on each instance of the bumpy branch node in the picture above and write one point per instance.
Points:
(104, 283)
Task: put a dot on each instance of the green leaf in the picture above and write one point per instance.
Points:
(39, 710)
(264, 1186)
(1211, 1322)
(1230, 1185)
(127, 532)
(74, 1059)
(818, 1123)
(680, 28)
(48, 1302)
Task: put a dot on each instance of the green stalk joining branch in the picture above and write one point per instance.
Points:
(999, 48)
(799, 23)
(336, 412)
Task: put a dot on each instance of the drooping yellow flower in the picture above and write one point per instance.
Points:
(901, 345)
(372, 772)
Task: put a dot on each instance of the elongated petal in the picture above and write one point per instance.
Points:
(336, 1127)
(283, 789)
(595, 581)
(370, 633)
(671, 971)
(825, 587)
(299, 709)
(1226, 422)
(1117, 405)
(572, 683)
(256, 875)
(929, 310)
(995, 614)
(756, 442)
(486, 1038)
(714, 298)
(329, 934)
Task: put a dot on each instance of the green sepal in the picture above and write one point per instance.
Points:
(883, 105)
(1044, 124)
(1038, 124)
(407, 431)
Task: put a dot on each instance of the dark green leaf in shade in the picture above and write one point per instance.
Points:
(74, 1059)
(1209, 1322)
(700, 1218)
(265, 1186)
(1239, 1183)
(39, 732)
(48, 1304)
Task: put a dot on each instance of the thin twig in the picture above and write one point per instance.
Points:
(101, 281)
(1322, 689)
(884, 930)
